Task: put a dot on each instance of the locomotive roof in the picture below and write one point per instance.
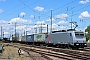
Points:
(69, 30)
(59, 31)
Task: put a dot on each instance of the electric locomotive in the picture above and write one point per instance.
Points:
(67, 38)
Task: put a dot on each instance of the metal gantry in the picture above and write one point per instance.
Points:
(51, 20)
(2, 32)
(15, 31)
(41, 27)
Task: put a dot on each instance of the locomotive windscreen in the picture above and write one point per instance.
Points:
(79, 34)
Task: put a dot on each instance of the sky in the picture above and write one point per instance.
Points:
(31, 14)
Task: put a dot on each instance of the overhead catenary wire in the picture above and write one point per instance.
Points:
(54, 10)
(23, 7)
(79, 9)
(62, 6)
(14, 7)
(44, 14)
(70, 13)
(34, 10)
(49, 3)
(65, 5)
(14, 13)
(75, 10)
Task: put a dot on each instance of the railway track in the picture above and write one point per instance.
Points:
(86, 49)
(32, 55)
(73, 53)
(46, 53)
(35, 55)
(64, 54)
(57, 52)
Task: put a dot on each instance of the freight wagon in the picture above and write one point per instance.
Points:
(30, 38)
(23, 39)
(39, 39)
(36, 39)
(69, 38)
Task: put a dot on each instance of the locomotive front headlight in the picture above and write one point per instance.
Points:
(77, 44)
(85, 44)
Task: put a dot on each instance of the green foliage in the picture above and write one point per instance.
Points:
(87, 35)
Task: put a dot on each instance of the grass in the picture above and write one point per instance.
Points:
(12, 53)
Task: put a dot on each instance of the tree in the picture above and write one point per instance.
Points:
(88, 34)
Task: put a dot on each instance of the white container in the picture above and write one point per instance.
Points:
(39, 37)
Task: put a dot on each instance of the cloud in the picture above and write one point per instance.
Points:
(21, 25)
(61, 16)
(3, 21)
(63, 22)
(20, 20)
(49, 20)
(84, 1)
(53, 25)
(32, 16)
(63, 27)
(2, 0)
(5, 32)
(1, 10)
(40, 22)
(84, 15)
(56, 27)
(22, 14)
(38, 8)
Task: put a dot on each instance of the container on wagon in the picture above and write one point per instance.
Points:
(39, 37)
(23, 39)
(30, 38)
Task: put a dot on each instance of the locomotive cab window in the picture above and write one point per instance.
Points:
(79, 34)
